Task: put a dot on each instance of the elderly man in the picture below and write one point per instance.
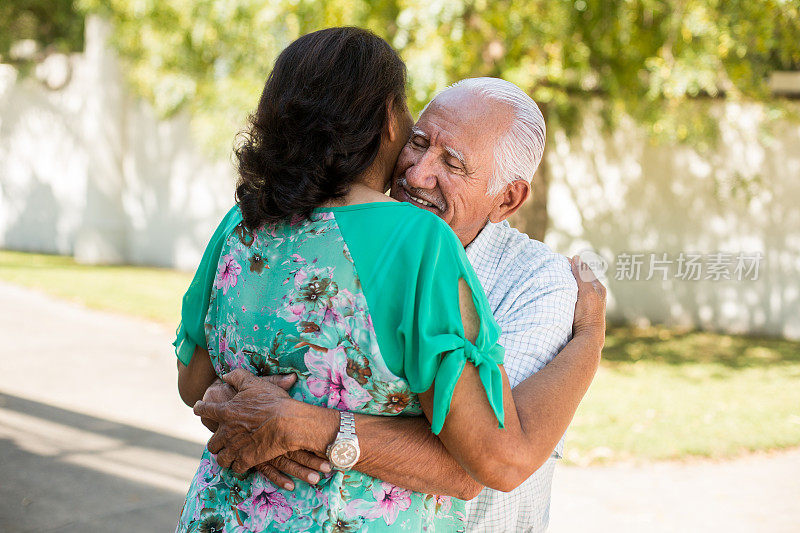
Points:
(470, 160)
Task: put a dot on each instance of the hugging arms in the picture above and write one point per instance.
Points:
(400, 450)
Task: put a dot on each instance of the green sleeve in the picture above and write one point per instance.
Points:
(191, 330)
(409, 263)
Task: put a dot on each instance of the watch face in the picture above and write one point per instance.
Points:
(343, 454)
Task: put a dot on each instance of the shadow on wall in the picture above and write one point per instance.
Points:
(40, 213)
(619, 194)
(38, 208)
(174, 196)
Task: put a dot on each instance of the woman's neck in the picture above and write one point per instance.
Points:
(370, 187)
(359, 193)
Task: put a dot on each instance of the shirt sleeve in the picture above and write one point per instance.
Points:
(537, 319)
(436, 348)
(409, 263)
(191, 330)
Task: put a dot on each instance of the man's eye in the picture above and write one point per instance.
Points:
(418, 142)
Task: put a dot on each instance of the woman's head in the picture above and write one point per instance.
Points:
(319, 124)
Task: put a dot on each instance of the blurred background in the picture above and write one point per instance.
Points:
(672, 165)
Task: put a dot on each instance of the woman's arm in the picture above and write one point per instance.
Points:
(403, 451)
(194, 379)
(495, 457)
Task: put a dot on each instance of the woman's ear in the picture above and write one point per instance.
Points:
(510, 200)
(392, 129)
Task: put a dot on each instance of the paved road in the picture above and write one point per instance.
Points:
(758, 493)
(94, 438)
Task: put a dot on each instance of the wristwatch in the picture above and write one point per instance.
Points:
(344, 452)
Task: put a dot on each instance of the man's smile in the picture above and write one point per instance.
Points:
(416, 198)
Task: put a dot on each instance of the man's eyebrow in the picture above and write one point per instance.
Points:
(458, 155)
(417, 131)
(452, 151)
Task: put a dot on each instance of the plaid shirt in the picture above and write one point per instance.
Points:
(532, 293)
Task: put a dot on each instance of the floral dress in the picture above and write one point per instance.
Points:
(288, 298)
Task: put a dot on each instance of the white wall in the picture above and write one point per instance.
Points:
(620, 193)
(87, 170)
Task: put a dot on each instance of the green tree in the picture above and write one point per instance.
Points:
(648, 59)
(52, 25)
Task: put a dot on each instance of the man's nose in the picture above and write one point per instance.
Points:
(422, 174)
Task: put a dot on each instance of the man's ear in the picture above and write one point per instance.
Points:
(510, 200)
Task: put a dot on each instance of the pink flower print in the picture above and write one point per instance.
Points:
(223, 344)
(207, 472)
(390, 501)
(329, 378)
(239, 360)
(265, 505)
(228, 273)
(204, 478)
(334, 318)
(443, 504)
(298, 258)
(300, 278)
(255, 328)
(295, 312)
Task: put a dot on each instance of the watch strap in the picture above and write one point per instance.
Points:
(347, 425)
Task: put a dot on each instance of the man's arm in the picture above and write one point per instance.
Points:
(406, 453)
(403, 451)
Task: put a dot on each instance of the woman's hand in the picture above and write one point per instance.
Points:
(251, 428)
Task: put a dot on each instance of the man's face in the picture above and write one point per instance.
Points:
(447, 163)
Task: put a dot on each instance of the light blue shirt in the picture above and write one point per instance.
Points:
(532, 293)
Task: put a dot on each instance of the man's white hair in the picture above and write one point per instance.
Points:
(519, 151)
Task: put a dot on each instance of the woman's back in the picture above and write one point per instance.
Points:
(343, 299)
(288, 298)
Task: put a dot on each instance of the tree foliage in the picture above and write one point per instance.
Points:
(52, 25)
(646, 58)
(649, 59)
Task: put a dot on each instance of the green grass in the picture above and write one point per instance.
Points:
(660, 393)
(667, 394)
(151, 293)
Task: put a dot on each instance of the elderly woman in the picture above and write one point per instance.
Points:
(370, 302)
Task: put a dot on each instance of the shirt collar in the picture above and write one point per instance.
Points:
(486, 239)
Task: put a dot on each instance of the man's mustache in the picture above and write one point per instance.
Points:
(419, 193)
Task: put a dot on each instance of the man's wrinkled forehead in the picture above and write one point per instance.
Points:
(461, 105)
(466, 118)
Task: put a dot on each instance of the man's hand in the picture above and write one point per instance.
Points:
(217, 392)
(590, 308)
(301, 464)
(250, 428)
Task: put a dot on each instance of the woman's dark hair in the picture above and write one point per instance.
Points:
(318, 124)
